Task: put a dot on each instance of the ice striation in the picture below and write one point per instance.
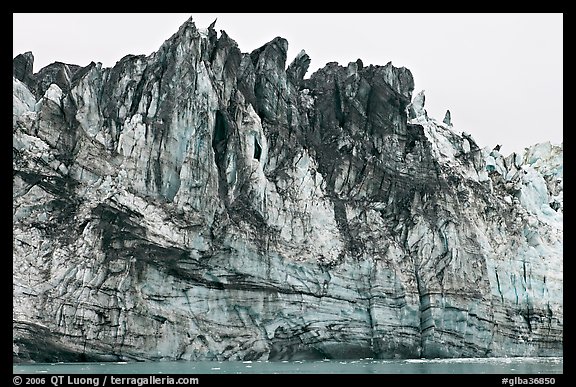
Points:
(201, 203)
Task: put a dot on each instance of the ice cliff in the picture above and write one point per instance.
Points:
(204, 203)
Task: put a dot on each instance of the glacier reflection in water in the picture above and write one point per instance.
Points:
(518, 365)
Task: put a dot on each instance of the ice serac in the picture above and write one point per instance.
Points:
(23, 67)
(203, 203)
(447, 118)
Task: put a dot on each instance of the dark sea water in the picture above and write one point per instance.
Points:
(508, 366)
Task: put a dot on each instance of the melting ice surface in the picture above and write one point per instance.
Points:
(516, 365)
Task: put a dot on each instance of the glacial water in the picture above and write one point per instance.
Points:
(507, 366)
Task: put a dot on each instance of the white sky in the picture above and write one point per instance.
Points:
(501, 75)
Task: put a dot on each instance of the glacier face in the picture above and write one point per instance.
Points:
(202, 203)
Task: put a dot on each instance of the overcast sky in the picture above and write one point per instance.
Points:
(501, 75)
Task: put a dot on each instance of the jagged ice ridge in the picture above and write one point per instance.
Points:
(201, 203)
